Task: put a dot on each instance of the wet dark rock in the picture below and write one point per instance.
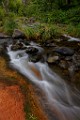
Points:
(32, 50)
(20, 40)
(26, 42)
(65, 51)
(49, 44)
(18, 46)
(36, 58)
(18, 34)
(53, 59)
(35, 55)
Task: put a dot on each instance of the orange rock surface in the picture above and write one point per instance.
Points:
(12, 80)
(11, 103)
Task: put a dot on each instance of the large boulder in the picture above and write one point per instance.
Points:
(18, 34)
(64, 51)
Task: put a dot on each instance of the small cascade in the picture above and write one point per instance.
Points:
(59, 95)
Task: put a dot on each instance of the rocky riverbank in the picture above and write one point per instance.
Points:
(62, 55)
(12, 84)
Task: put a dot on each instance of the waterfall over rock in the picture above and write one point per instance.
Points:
(58, 94)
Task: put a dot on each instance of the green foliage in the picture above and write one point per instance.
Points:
(57, 16)
(9, 25)
(32, 9)
(46, 11)
(74, 30)
(54, 11)
(2, 13)
(39, 31)
(15, 6)
(73, 15)
(49, 32)
(29, 32)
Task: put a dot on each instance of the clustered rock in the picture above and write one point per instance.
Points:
(62, 55)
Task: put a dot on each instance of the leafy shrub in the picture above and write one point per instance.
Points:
(29, 32)
(73, 15)
(9, 25)
(58, 16)
(2, 13)
(32, 9)
(49, 32)
(74, 30)
(14, 6)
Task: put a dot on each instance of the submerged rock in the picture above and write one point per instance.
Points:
(65, 51)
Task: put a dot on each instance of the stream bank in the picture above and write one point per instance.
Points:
(63, 56)
(59, 50)
(31, 109)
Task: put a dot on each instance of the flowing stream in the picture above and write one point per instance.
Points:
(64, 101)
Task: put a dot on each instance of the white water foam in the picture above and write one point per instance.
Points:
(57, 92)
(70, 38)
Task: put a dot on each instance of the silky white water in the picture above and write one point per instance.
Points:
(70, 38)
(62, 99)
